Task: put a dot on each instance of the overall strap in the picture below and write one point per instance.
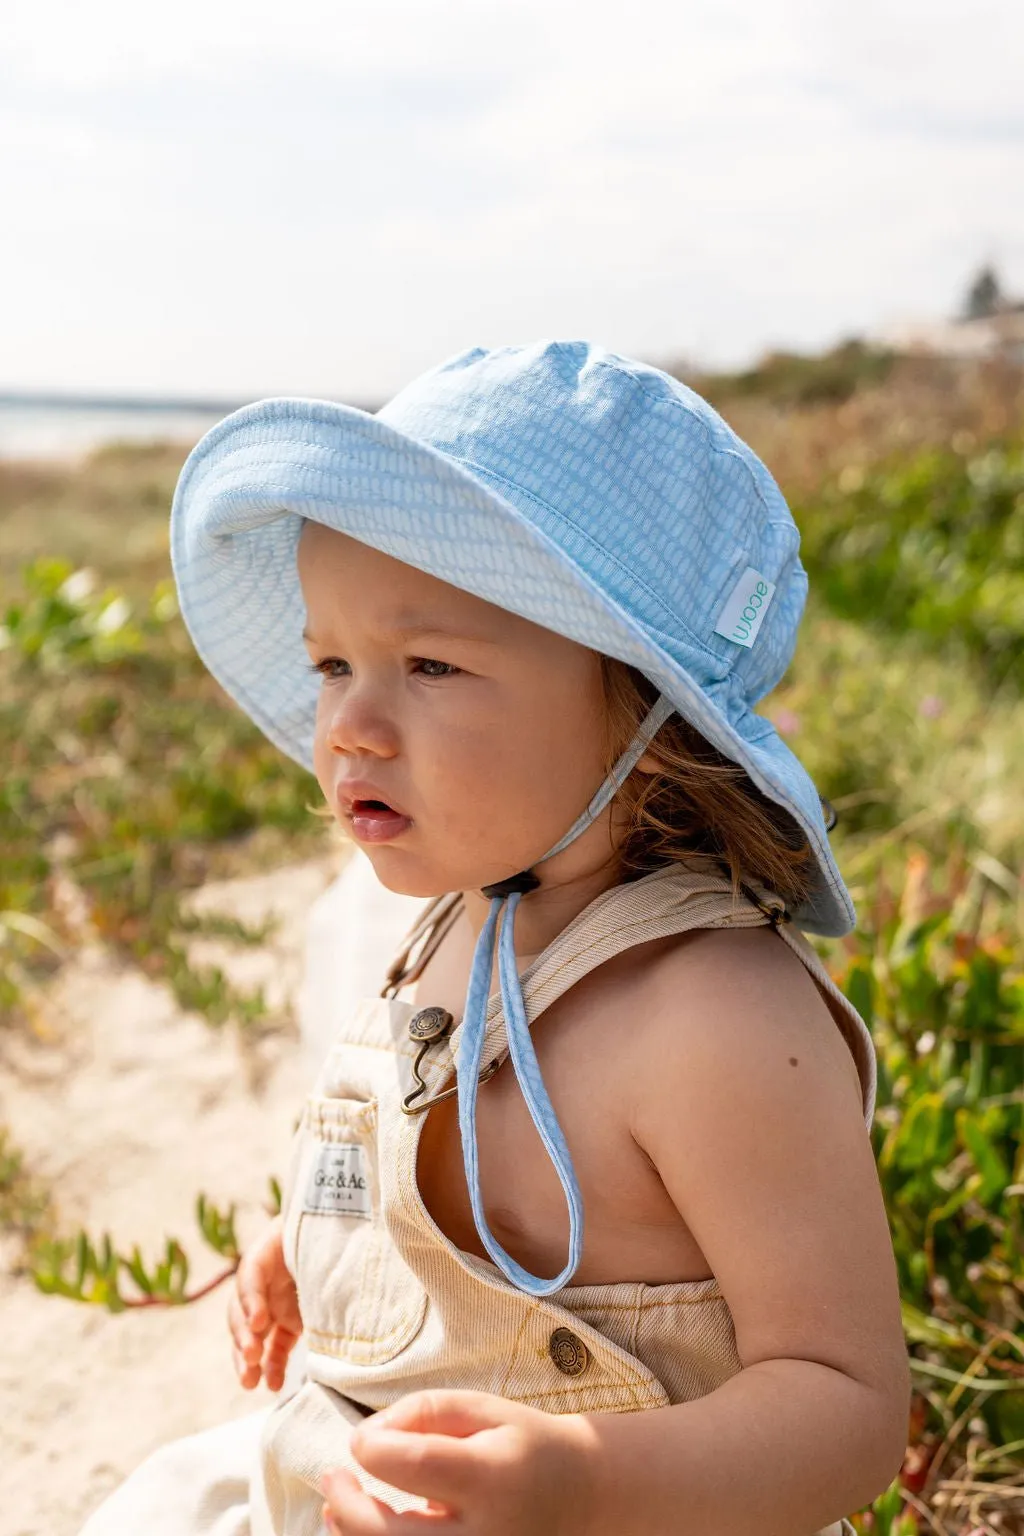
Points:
(431, 926)
(671, 899)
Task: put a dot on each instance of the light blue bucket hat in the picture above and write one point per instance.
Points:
(592, 494)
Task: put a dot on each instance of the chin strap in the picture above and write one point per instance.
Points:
(505, 898)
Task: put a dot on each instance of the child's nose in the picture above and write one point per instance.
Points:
(360, 722)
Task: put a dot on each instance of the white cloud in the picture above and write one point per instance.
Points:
(923, 62)
(63, 42)
(235, 198)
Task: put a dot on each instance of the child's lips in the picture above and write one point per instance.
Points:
(374, 822)
(362, 794)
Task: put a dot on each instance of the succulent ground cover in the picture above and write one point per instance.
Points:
(128, 779)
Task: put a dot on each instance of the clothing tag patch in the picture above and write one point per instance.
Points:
(745, 608)
(337, 1181)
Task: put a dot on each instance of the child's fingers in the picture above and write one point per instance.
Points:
(248, 1373)
(248, 1341)
(283, 1302)
(354, 1513)
(441, 1468)
(246, 1348)
(246, 1338)
(280, 1344)
(250, 1287)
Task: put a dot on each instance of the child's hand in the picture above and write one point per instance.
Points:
(263, 1313)
(487, 1466)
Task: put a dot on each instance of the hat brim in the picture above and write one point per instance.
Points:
(237, 513)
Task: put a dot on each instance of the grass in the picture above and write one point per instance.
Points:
(128, 782)
(909, 747)
(792, 379)
(26, 1205)
(946, 1009)
(111, 513)
(929, 545)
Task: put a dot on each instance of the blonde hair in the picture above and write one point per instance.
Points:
(699, 803)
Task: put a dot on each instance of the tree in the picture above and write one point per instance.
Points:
(985, 295)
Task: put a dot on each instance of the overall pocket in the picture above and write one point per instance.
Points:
(358, 1298)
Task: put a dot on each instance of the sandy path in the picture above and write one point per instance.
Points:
(131, 1109)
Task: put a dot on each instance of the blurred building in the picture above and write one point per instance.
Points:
(997, 335)
(990, 324)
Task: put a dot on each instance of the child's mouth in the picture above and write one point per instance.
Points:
(375, 822)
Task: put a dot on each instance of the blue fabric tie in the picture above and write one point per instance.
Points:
(520, 1045)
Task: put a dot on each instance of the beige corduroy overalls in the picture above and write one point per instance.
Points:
(391, 1306)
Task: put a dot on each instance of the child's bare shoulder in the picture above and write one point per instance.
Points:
(740, 1003)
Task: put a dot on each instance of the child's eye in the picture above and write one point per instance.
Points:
(450, 671)
(326, 667)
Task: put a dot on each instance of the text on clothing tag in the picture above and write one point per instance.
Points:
(337, 1181)
(745, 608)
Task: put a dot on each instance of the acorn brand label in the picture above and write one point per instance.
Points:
(745, 608)
(337, 1181)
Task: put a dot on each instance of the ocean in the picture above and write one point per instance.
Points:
(68, 430)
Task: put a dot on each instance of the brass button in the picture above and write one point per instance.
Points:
(430, 1024)
(568, 1352)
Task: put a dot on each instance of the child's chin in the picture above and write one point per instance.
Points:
(405, 882)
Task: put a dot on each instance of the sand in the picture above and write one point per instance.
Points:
(130, 1108)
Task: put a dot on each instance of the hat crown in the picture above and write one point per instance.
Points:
(636, 477)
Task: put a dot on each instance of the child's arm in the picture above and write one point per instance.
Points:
(747, 1101)
(756, 1128)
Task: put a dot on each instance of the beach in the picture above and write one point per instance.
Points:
(131, 1106)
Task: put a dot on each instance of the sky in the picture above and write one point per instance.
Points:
(234, 198)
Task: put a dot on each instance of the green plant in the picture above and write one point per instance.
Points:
(946, 1007)
(26, 1208)
(127, 778)
(945, 1002)
(911, 747)
(83, 1270)
(933, 546)
(796, 379)
(64, 619)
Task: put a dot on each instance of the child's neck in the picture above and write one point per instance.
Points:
(540, 917)
(545, 912)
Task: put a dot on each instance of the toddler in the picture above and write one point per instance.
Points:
(581, 1224)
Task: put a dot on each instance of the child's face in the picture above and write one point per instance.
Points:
(490, 740)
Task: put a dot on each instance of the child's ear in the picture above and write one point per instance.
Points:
(647, 764)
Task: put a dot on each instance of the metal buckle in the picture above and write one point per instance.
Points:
(427, 1027)
(409, 1108)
